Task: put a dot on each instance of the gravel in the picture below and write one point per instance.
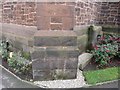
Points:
(70, 83)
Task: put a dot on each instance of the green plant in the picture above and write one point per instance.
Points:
(26, 55)
(19, 64)
(107, 47)
(4, 51)
(61, 76)
(18, 61)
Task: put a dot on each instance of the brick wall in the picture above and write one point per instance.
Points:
(84, 13)
(23, 13)
(109, 13)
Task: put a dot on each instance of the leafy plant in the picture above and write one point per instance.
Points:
(4, 48)
(26, 55)
(18, 61)
(107, 47)
(19, 64)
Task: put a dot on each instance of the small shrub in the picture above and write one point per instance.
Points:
(107, 47)
(26, 55)
(19, 64)
(4, 51)
(18, 61)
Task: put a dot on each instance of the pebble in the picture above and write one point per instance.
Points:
(70, 83)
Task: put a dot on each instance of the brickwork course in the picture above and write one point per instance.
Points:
(75, 13)
(110, 13)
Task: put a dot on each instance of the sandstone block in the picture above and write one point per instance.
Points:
(84, 59)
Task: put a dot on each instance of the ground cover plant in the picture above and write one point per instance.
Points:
(106, 58)
(106, 49)
(17, 62)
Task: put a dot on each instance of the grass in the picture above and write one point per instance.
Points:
(103, 75)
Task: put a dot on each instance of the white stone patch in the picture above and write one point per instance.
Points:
(84, 59)
(71, 83)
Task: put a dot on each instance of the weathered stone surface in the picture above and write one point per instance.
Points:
(68, 23)
(66, 74)
(50, 59)
(111, 29)
(55, 10)
(43, 23)
(97, 30)
(20, 37)
(54, 74)
(81, 30)
(55, 38)
(56, 26)
(19, 30)
(50, 14)
(93, 32)
(71, 73)
(57, 33)
(82, 42)
(18, 45)
(51, 64)
(56, 19)
(84, 59)
(71, 63)
(55, 52)
(38, 54)
(42, 75)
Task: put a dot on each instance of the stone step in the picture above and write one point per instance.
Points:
(55, 38)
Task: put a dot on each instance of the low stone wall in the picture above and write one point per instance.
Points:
(111, 29)
(20, 37)
(54, 54)
(82, 37)
(87, 36)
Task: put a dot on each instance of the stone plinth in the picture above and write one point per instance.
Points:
(55, 55)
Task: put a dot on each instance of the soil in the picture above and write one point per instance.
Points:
(93, 66)
(22, 76)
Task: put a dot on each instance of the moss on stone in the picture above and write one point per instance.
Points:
(114, 29)
(61, 76)
(111, 27)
